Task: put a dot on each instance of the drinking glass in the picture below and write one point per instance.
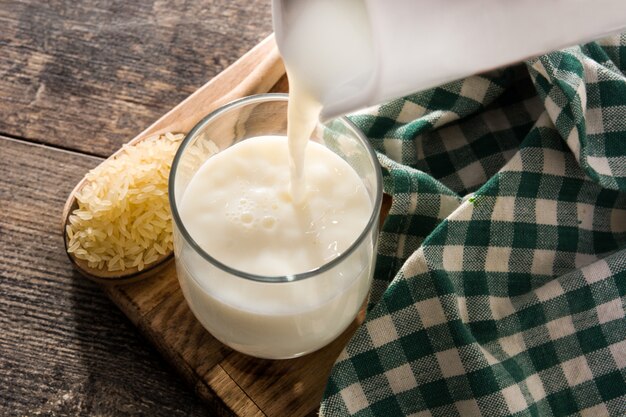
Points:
(273, 317)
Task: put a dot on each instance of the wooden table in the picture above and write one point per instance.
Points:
(77, 80)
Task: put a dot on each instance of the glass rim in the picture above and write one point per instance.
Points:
(258, 98)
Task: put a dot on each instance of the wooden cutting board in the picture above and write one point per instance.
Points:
(234, 384)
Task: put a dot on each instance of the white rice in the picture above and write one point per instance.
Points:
(123, 218)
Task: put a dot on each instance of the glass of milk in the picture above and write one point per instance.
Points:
(239, 272)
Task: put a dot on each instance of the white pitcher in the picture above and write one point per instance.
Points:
(350, 54)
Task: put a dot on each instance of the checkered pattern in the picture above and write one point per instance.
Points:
(501, 274)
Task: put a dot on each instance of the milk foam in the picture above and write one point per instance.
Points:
(238, 207)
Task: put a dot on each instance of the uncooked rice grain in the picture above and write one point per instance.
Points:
(123, 218)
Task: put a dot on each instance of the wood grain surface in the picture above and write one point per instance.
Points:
(65, 349)
(83, 78)
(89, 75)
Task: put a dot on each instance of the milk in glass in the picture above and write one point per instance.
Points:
(240, 209)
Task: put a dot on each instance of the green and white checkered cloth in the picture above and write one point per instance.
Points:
(501, 276)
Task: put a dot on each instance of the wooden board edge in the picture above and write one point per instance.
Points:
(215, 382)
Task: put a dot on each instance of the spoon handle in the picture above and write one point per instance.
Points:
(262, 67)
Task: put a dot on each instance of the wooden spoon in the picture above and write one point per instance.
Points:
(263, 68)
